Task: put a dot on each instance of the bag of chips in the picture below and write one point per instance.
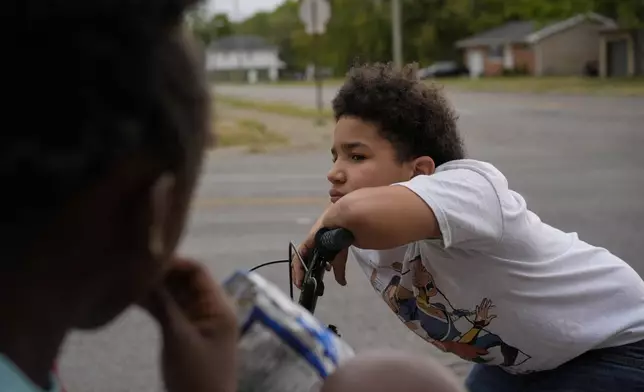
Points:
(282, 347)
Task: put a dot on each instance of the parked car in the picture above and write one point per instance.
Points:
(443, 69)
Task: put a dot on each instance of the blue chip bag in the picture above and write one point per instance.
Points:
(282, 347)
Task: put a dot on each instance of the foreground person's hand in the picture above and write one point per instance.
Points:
(199, 331)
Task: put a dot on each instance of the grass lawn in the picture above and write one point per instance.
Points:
(519, 84)
(247, 133)
(282, 108)
(553, 85)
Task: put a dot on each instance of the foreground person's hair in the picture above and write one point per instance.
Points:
(93, 82)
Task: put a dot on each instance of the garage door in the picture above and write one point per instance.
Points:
(617, 53)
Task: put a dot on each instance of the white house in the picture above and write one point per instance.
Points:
(244, 57)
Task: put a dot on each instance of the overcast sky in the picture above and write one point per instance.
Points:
(246, 7)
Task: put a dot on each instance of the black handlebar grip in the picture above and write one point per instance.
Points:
(330, 242)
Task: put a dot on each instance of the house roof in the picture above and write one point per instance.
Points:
(568, 23)
(529, 31)
(241, 42)
(506, 33)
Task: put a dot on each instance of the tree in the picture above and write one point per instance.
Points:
(207, 29)
(360, 30)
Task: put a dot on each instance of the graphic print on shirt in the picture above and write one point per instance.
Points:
(413, 295)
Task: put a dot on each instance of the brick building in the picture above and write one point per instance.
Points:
(562, 48)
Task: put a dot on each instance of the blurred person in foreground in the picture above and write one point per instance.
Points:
(460, 258)
(98, 167)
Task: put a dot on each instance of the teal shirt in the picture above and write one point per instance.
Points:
(12, 379)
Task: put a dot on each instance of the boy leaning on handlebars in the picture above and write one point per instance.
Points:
(461, 259)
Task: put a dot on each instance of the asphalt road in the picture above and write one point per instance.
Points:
(576, 160)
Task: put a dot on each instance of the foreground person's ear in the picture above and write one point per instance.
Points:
(161, 202)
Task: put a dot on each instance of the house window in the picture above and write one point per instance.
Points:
(495, 52)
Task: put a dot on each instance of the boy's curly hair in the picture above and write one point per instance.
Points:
(416, 118)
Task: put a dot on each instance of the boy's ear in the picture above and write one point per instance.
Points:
(424, 166)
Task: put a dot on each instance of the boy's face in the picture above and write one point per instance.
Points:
(362, 158)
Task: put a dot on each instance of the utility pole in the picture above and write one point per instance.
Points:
(316, 63)
(396, 32)
(315, 15)
(239, 45)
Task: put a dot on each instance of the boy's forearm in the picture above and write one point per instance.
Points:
(318, 223)
(383, 217)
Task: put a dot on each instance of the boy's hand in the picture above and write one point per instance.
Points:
(338, 264)
(199, 329)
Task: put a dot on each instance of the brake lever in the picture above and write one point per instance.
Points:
(319, 289)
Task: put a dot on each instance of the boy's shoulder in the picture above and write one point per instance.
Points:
(462, 175)
(477, 180)
(483, 168)
(470, 199)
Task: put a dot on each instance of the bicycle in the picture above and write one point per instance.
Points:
(328, 243)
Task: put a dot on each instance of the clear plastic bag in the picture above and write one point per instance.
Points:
(283, 347)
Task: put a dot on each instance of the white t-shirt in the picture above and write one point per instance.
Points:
(500, 286)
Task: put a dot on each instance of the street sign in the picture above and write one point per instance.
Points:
(315, 14)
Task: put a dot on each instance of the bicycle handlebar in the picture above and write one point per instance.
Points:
(328, 243)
